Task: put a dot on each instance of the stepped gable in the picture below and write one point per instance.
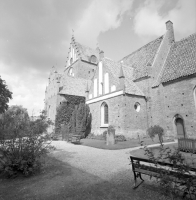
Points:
(74, 86)
(115, 70)
(83, 51)
(181, 60)
(142, 57)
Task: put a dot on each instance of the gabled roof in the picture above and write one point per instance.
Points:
(142, 57)
(181, 60)
(74, 86)
(115, 70)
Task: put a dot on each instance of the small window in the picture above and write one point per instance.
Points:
(93, 59)
(137, 107)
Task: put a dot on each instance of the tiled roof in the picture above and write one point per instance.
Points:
(74, 86)
(132, 88)
(85, 52)
(181, 60)
(142, 57)
(114, 68)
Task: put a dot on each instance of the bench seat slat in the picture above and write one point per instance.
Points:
(147, 172)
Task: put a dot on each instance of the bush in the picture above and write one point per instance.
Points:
(186, 186)
(111, 128)
(23, 151)
(156, 130)
(23, 155)
(120, 138)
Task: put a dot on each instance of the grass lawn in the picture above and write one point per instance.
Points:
(60, 181)
(101, 144)
(189, 157)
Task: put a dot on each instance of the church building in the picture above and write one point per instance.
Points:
(154, 85)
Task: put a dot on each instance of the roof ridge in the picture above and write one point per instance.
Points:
(85, 46)
(142, 47)
(186, 38)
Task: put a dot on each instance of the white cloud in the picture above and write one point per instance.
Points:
(149, 22)
(100, 16)
(27, 89)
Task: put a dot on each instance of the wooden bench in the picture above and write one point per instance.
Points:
(74, 138)
(148, 167)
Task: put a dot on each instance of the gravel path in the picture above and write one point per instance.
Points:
(100, 162)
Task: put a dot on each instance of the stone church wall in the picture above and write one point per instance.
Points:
(179, 99)
(85, 70)
(122, 115)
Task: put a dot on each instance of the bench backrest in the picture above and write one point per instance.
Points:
(133, 159)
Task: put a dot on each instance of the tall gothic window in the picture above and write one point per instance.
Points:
(104, 114)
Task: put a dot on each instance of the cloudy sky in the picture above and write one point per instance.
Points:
(35, 35)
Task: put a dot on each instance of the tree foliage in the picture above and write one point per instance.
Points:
(181, 184)
(156, 130)
(14, 122)
(41, 124)
(5, 96)
(80, 122)
(64, 112)
(22, 144)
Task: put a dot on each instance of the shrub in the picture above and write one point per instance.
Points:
(156, 130)
(120, 138)
(111, 128)
(21, 154)
(186, 186)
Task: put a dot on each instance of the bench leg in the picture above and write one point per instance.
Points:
(136, 175)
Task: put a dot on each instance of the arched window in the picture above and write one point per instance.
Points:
(104, 114)
(93, 59)
(179, 126)
(194, 94)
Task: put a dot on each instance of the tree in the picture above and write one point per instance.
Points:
(156, 130)
(41, 124)
(80, 122)
(14, 122)
(5, 96)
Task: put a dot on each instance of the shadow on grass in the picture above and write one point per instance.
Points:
(59, 180)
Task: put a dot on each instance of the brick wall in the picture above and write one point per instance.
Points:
(122, 116)
(178, 99)
(84, 70)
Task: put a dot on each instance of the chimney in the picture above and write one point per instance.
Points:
(101, 55)
(170, 32)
